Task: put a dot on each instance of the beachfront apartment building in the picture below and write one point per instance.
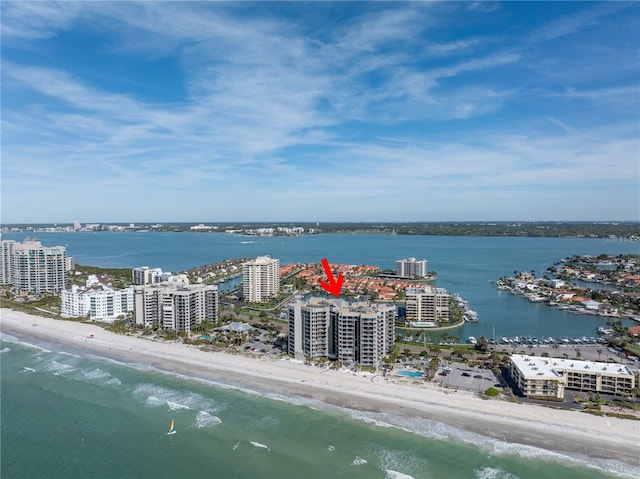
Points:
(336, 329)
(97, 301)
(175, 306)
(427, 305)
(309, 326)
(260, 279)
(32, 268)
(549, 377)
(411, 268)
(6, 260)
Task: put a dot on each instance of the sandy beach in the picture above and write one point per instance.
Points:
(544, 427)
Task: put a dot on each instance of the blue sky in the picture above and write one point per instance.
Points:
(160, 111)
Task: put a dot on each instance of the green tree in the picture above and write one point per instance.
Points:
(482, 344)
(431, 368)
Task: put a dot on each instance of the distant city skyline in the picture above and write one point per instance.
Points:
(325, 111)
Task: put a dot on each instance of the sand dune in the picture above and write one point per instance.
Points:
(544, 427)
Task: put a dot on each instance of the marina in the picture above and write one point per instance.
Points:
(468, 314)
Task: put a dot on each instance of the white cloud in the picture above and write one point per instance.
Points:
(365, 115)
(38, 20)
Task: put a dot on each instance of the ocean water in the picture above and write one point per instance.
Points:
(464, 265)
(68, 415)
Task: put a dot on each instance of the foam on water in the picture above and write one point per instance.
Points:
(390, 474)
(5, 350)
(401, 461)
(153, 395)
(358, 461)
(204, 420)
(493, 473)
(14, 340)
(58, 368)
(259, 445)
(174, 406)
(440, 431)
(96, 374)
(114, 382)
(8, 337)
(494, 447)
(27, 369)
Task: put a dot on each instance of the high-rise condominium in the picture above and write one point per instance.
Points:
(411, 268)
(427, 304)
(260, 279)
(176, 307)
(33, 268)
(349, 332)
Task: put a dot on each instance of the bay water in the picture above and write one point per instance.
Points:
(465, 265)
(66, 414)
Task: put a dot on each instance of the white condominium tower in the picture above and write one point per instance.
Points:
(349, 332)
(427, 304)
(411, 268)
(176, 307)
(35, 268)
(260, 279)
(6, 260)
(145, 275)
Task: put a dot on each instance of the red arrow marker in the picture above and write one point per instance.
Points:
(332, 286)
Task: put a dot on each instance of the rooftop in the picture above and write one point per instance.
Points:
(554, 367)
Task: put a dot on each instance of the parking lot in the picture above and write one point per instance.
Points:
(461, 376)
(587, 352)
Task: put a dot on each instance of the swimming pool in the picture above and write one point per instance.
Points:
(423, 324)
(411, 374)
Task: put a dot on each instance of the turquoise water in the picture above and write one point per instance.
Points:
(69, 416)
(411, 374)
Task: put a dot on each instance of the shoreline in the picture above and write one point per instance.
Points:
(542, 427)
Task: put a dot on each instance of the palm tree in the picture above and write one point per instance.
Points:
(482, 344)
(578, 353)
(555, 347)
(431, 369)
(599, 351)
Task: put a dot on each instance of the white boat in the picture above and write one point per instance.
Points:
(172, 429)
(536, 298)
(473, 340)
(470, 315)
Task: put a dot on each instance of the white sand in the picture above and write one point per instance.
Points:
(545, 427)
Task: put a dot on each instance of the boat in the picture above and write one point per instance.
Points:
(470, 315)
(172, 429)
(472, 340)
